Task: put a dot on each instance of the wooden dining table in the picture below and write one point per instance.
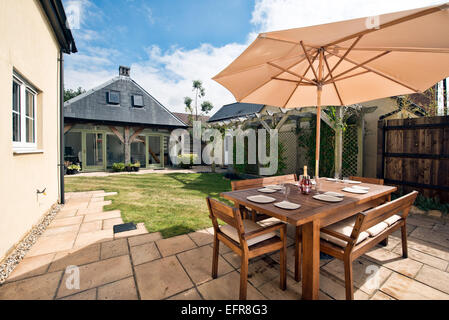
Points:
(313, 215)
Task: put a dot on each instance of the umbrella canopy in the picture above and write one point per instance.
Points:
(343, 63)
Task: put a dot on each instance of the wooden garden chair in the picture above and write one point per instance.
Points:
(246, 238)
(266, 220)
(349, 239)
(367, 180)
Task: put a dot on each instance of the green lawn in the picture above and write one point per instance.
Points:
(172, 204)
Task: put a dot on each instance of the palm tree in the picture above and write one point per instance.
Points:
(199, 93)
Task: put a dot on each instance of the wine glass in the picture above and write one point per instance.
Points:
(336, 176)
(317, 184)
(286, 192)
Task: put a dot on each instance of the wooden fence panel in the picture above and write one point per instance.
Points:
(414, 155)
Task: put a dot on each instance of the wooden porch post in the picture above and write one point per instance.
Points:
(127, 146)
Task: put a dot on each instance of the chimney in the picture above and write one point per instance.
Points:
(124, 71)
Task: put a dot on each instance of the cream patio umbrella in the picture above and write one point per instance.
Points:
(343, 63)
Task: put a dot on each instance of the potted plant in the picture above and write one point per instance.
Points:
(118, 167)
(73, 169)
(136, 166)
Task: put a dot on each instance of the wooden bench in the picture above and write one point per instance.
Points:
(349, 239)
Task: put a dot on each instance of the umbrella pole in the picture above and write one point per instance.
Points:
(318, 131)
(318, 112)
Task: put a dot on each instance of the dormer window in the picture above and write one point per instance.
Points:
(113, 97)
(137, 101)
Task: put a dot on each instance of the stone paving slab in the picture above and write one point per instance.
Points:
(175, 245)
(198, 264)
(403, 288)
(141, 265)
(42, 287)
(161, 278)
(96, 274)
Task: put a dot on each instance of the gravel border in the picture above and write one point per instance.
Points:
(14, 258)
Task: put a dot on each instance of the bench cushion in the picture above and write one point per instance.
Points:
(376, 229)
(248, 226)
(391, 220)
(344, 227)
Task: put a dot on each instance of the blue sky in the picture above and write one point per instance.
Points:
(169, 43)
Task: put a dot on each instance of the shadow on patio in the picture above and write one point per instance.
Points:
(141, 265)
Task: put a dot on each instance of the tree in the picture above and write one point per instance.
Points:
(206, 107)
(70, 93)
(189, 109)
(199, 93)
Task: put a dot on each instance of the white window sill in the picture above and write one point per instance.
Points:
(33, 151)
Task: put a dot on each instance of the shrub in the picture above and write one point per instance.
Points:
(427, 204)
(74, 167)
(136, 165)
(118, 167)
(186, 160)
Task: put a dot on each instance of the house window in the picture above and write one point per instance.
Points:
(137, 101)
(23, 115)
(113, 97)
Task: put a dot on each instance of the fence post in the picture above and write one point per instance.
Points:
(380, 148)
(360, 143)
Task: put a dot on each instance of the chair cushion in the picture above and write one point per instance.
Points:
(268, 222)
(344, 227)
(249, 226)
(391, 220)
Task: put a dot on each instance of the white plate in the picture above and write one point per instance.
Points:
(352, 181)
(287, 205)
(360, 187)
(331, 179)
(327, 198)
(274, 187)
(354, 190)
(261, 199)
(267, 190)
(334, 194)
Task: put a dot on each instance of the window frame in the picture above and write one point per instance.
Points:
(24, 87)
(133, 102)
(108, 98)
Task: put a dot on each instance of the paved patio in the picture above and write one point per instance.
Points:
(141, 265)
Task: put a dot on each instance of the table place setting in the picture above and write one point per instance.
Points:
(287, 205)
(334, 194)
(261, 199)
(352, 181)
(274, 187)
(355, 190)
(267, 190)
(360, 187)
(327, 198)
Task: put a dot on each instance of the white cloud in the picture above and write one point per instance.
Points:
(272, 15)
(168, 75)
